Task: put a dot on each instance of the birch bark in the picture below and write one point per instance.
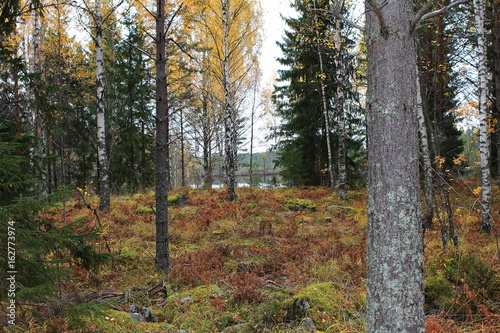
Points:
(104, 190)
(229, 123)
(426, 161)
(484, 135)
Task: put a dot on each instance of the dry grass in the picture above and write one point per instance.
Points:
(284, 251)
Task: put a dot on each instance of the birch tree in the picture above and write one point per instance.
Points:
(484, 127)
(104, 189)
(230, 31)
(324, 101)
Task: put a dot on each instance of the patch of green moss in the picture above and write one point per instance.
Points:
(439, 294)
(201, 309)
(300, 204)
(174, 198)
(327, 304)
(144, 210)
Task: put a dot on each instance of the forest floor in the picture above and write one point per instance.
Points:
(276, 260)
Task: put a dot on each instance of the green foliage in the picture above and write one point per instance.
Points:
(326, 303)
(300, 204)
(130, 115)
(459, 283)
(43, 251)
(302, 151)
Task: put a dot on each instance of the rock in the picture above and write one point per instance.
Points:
(245, 267)
(308, 326)
(137, 317)
(139, 313)
(186, 299)
(235, 328)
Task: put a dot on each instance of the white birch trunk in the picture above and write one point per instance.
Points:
(341, 119)
(104, 191)
(230, 124)
(426, 159)
(484, 135)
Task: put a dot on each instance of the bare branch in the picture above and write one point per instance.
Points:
(378, 12)
(181, 48)
(421, 13)
(423, 17)
(146, 8)
(169, 23)
(348, 21)
(146, 53)
(342, 18)
(111, 11)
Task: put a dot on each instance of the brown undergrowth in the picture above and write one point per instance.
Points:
(247, 262)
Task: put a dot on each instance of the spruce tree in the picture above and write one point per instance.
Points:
(302, 89)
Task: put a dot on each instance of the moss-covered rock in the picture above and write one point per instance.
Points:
(201, 309)
(327, 304)
(119, 321)
(300, 204)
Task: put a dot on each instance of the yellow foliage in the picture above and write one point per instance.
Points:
(439, 161)
(477, 191)
(460, 159)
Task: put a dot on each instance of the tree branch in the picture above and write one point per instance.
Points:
(342, 18)
(348, 21)
(421, 16)
(421, 13)
(378, 12)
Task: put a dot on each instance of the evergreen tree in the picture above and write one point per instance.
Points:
(306, 83)
(131, 120)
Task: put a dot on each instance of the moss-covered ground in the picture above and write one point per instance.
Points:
(270, 262)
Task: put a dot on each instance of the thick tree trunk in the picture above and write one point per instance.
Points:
(104, 190)
(230, 121)
(395, 297)
(484, 135)
(162, 170)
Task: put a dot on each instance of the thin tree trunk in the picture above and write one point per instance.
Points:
(395, 297)
(162, 170)
(342, 154)
(324, 103)
(104, 190)
(496, 72)
(341, 118)
(39, 123)
(230, 123)
(183, 162)
(484, 135)
(207, 147)
(426, 161)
